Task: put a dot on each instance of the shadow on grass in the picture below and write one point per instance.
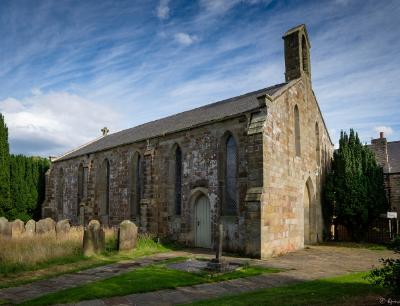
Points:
(350, 289)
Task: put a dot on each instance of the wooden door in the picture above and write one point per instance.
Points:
(202, 223)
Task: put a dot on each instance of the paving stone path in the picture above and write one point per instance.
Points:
(38, 288)
(308, 264)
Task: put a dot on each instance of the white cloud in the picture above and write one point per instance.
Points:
(36, 91)
(163, 9)
(55, 122)
(387, 130)
(185, 39)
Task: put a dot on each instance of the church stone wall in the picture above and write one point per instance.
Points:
(202, 154)
(287, 177)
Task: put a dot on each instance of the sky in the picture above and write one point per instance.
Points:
(69, 68)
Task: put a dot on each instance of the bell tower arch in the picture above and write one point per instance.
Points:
(297, 53)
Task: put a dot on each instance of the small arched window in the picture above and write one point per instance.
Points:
(136, 185)
(230, 176)
(305, 56)
(317, 145)
(178, 181)
(80, 188)
(108, 185)
(60, 191)
(297, 131)
(103, 189)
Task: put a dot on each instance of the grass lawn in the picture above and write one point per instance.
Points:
(12, 275)
(351, 289)
(150, 278)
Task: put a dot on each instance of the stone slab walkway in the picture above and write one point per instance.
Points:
(308, 264)
(305, 265)
(35, 289)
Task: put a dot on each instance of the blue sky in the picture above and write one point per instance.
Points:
(68, 68)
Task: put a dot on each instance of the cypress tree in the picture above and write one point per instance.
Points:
(4, 168)
(354, 189)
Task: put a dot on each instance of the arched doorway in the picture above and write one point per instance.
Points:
(310, 220)
(202, 221)
(306, 205)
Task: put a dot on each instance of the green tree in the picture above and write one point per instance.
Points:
(27, 182)
(354, 189)
(4, 168)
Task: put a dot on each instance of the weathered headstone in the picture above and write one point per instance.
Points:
(4, 227)
(46, 226)
(93, 239)
(127, 235)
(17, 228)
(30, 227)
(63, 227)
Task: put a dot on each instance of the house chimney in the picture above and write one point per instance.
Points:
(379, 147)
(105, 131)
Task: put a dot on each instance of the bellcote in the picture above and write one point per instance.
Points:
(297, 53)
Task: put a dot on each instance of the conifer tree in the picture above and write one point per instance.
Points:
(354, 189)
(4, 168)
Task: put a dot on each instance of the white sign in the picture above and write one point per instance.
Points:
(390, 215)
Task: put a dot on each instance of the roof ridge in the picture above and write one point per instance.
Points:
(203, 106)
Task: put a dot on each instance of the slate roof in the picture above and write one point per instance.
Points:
(393, 148)
(195, 117)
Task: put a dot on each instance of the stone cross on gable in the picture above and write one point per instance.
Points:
(105, 131)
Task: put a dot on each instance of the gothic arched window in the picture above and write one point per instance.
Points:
(317, 145)
(230, 176)
(103, 188)
(297, 131)
(305, 56)
(80, 188)
(60, 191)
(178, 180)
(136, 185)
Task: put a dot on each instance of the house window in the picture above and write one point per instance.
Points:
(297, 131)
(107, 174)
(230, 176)
(178, 181)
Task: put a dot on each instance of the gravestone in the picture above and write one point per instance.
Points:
(93, 239)
(30, 228)
(63, 227)
(17, 228)
(127, 235)
(4, 227)
(46, 226)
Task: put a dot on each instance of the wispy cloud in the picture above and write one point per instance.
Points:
(387, 130)
(119, 58)
(185, 38)
(55, 121)
(163, 9)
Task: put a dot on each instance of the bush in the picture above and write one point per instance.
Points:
(388, 276)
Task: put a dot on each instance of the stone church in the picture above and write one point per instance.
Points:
(254, 162)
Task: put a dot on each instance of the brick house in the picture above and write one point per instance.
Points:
(254, 162)
(388, 156)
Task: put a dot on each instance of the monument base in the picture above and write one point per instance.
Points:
(217, 265)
